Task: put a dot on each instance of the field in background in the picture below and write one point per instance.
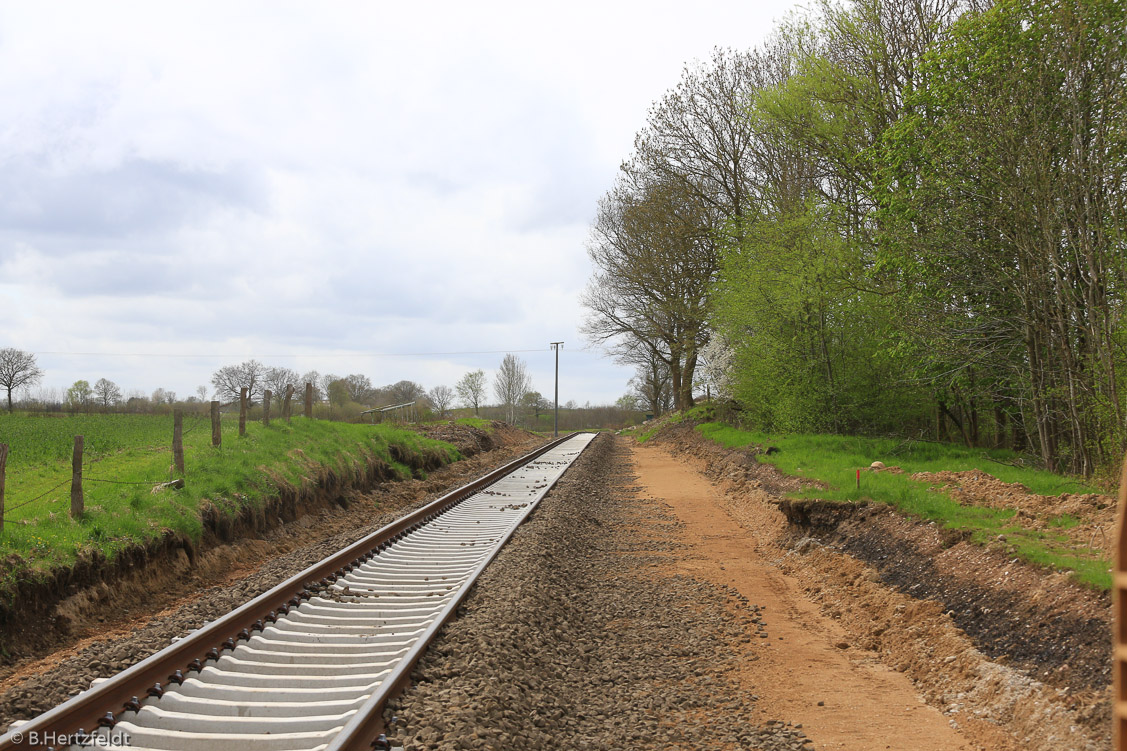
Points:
(127, 455)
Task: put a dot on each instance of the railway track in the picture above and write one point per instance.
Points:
(311, 663)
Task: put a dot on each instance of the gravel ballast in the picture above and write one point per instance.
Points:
(574, 639)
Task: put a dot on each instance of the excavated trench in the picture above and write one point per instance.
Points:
(1062, 640)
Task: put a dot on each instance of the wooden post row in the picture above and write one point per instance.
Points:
(266, 406)
(242, 411)
(308, 399)
(3, 463)
(77, 504)
(216, 432)
(286, 402)
(178, 440)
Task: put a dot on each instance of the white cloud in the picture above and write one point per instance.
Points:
(304, 182)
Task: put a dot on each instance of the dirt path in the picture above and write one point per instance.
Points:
(805, 670)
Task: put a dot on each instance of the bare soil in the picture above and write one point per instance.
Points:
(1015, 656)
(803, 665)
(1094, 512)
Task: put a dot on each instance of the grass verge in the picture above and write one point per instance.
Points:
(834, 461)
(128, 454)
(475, 422)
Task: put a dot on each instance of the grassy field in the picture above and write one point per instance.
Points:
(126, 455)
(834, 460)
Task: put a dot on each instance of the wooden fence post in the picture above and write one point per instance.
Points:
(3, 463)
(1119, 620)
(242, 411)
(286, 402)
(178, 439)
(308, 399)
(266, 406)
(76, 500)
(216, 432)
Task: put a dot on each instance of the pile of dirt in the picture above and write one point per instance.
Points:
(470, 440)
(1094, 512)
(986, 637)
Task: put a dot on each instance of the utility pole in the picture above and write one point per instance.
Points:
(556, 430)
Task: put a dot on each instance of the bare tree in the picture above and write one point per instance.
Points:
(360, 388)
(699, 137)
(511, 383)
(229, 380)
(656, 260)
(404, 391)
(276, 379)
(106, 393)
(17, 369)
(471, 389)
(318, 390)
(163, 396)
(441, 397)
(652, 385)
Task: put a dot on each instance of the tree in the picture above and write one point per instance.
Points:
(441, 397)
(1004, 215)
(17, 369)
(655, 261)
(628, 402)
(339, 393)
(201, 393)
(471, 389)
(106, 393)
(360, 388)
(163, 396)
(402, 392)
(653, 386)
(277, 379)
(79, 395)
(511, 383)
(699, 141)
(229, 380)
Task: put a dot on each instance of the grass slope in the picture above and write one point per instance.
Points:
(834, 460)
(127, 454)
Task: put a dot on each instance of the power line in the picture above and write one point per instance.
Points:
(309, 355)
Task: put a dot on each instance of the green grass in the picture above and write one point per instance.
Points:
(834, 460)
(475, 422)
(127, 454)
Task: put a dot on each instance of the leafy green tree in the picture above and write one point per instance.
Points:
(1004, 216)
(79, 396)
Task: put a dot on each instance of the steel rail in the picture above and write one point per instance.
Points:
(98, 706)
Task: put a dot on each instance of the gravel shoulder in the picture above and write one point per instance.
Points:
(579, 637)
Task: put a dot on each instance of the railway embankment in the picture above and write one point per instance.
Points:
(53, 619)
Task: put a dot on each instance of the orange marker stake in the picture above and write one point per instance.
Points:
(858, 479)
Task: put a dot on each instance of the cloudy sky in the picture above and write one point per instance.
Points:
(402, 190)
